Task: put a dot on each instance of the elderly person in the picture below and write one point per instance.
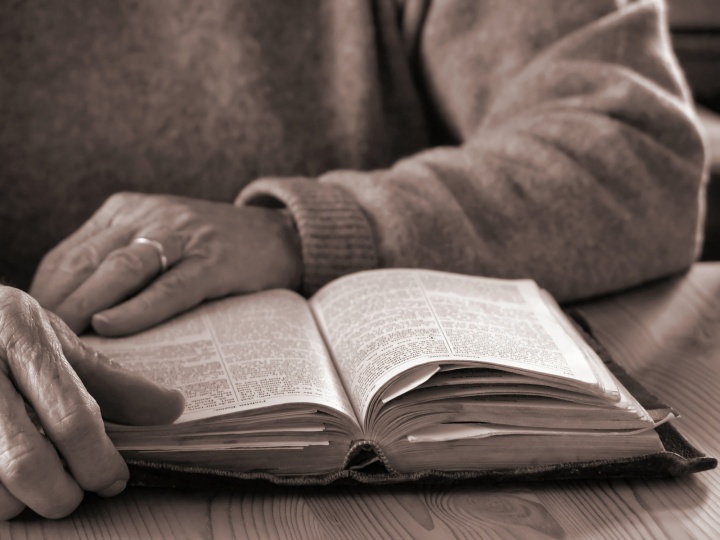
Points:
(276, 144)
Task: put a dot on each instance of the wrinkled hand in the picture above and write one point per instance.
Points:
(99, 275)
(42, 364)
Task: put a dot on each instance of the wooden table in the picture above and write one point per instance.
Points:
(667, 335)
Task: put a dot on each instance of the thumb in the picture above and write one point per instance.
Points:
(124, 397)
(177, 290)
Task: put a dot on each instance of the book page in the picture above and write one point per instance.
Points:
(382, 323)
(236, 354)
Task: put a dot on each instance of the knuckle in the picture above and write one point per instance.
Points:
(78, 424)
(105, 216)
(184, 284)
(143, 303)
(20, 321)
(81, 435)
(82, 261)
(186, 212)
(13, 301)
(175, 281)
(49, 261)
(118, 199)
(25, 354)
(126, 261)
(117, 205)
(19, 460)
(206, 235)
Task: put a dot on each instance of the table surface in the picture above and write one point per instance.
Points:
(666, 335)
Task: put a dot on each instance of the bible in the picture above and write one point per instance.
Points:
(406, 370)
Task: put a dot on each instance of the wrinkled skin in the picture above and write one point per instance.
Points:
(48, 378)
(99, 276)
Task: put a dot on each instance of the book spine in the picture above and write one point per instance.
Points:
(364, 452)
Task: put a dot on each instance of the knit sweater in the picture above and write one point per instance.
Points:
(551, 139)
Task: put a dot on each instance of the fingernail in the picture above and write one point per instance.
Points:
(114, 489)
(101, 324)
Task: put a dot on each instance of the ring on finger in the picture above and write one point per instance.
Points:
(158, 248)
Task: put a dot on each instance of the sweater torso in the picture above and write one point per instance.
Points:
(193, 98)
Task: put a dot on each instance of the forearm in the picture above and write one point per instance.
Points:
(580, 168)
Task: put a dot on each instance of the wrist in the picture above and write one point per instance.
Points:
(292, 248)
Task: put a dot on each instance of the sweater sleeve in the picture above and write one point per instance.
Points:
(578, 161)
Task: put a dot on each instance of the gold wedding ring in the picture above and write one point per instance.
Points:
(158, 247)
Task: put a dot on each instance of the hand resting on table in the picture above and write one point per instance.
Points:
(48, 378)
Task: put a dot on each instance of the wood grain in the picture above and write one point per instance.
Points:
(667, 335)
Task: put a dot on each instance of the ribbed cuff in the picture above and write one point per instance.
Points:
(335, 234)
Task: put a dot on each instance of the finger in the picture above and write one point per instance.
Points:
(67, 266)
(10, 506)
(123, 272)
(70, 417)
(124, 396)
(181, 288)
(30, 468)
(119, 207)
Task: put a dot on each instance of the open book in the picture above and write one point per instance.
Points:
(432, 370)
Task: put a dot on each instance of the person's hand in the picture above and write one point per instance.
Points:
(47, 380)
(104, 275)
